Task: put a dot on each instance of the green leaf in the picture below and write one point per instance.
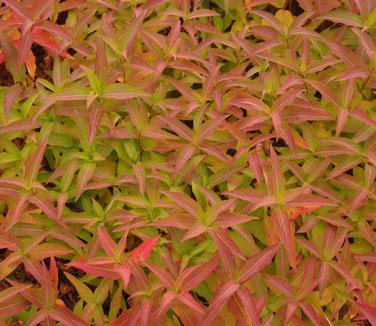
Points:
(95, 83)
(371, 19)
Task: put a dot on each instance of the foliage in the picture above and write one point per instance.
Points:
(204, 162)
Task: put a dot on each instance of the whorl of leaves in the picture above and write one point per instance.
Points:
(192, 162)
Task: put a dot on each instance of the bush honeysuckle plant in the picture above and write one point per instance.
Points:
(188, 162)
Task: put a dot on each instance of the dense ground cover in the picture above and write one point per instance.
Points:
(177, 162)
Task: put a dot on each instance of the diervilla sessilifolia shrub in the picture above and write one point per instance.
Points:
(188, 162)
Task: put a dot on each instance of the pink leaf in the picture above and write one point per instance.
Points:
(190, 302)
(227, 250)
(368, 311)
(195, 275)
(271, 20)
(286, 234)
(257, 263)
(139, 173)
(325, 91)
(366, 42)
(11, 96)
(84, 176)
(183, 201)
(107, 243)
(125, 273)
(122, 92)
(279, 285)
(220, 298)
(19, 9)
(100, 266)
(249, 305)
(11, 292)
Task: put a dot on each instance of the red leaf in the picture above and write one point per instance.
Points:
(100, 266)
(294, 213)
(125, 273)
(143, 251)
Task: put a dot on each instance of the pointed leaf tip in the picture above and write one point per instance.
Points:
(143, 251)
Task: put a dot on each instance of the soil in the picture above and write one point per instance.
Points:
(6, 78)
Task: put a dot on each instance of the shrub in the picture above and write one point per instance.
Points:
(205, 162)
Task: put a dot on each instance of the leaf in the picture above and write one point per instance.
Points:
(294, 213)
(257, 263)
(181, 129)
(33, 161)
(44, 38)
(279, 285)
(192, 276)
(366, 42)
(277, 177)
(270, 19)
(285, 18)
(45, 250)
(202, 13)
(183, 201)
(13, 307)
(100, 266)
(220, 298)
(325, 91)
(108, 244)
(368, 311)
(140, 175)
(125, 273)
(122, 92)
(286, 234)
(311, 313)
(343, 17)
(95, 82)
(129, 37)
(18, 8)
(309, 200)
(11, 97)
(249, 306)
(227, 250)
(11, 292)
(65, 316)
(24, 48)
(55, 29)
(143, 251)
(84, 176)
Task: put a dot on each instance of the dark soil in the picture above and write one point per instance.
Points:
(6, 78)
(22, 276)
